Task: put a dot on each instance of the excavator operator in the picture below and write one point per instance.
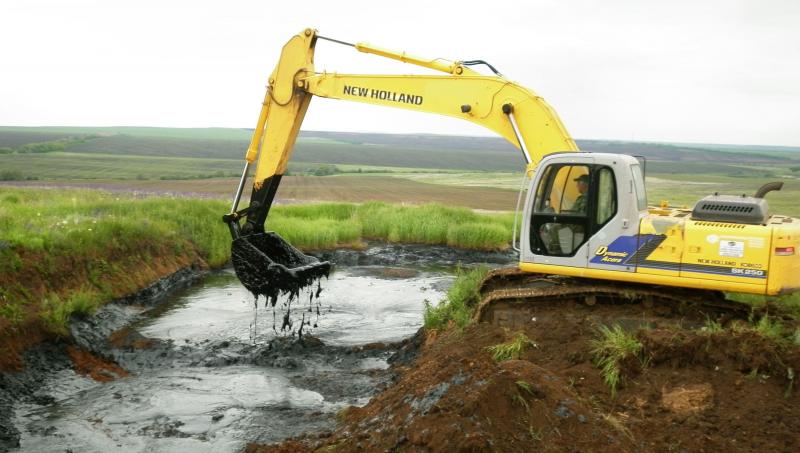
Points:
(583, 188)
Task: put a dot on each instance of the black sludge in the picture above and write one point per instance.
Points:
(268, 265)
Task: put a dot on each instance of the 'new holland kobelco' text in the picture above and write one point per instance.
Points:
(383, 95)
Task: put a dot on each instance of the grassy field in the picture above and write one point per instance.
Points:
(68, 165)
(487, 191)
(91, 166)
(310, 150)
(295, 189)
(90, 150)
(203, 133)
(499, 180)
(686, 190)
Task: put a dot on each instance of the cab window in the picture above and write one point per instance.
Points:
(606, 196)
(560, 190)
(638, 183)
(561, 210)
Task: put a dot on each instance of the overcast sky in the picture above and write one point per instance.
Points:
(720, 71)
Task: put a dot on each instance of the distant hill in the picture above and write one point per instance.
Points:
(220, 133)
(428, 151)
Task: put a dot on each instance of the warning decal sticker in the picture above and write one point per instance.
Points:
(733, 249)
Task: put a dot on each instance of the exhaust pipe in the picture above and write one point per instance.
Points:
(767, 188)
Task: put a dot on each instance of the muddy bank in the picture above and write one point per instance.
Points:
(434, 256)
(90, 334)
(691, 389)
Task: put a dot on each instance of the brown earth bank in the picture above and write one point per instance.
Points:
(690, 390)
(95, 367)
(112, 275)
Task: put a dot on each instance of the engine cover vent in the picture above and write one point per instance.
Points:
(730, 208)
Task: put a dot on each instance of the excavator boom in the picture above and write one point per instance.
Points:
(268, 265)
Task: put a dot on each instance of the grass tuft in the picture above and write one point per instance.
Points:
(512, 350)
(12, 312)
(768, 328)
(612, 347)
(711, 326)
(54, 314)
(459, 305)
(520, 400)
(478, 236)
(55, 311)
(526, 386)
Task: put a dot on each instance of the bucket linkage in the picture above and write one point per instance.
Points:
(264, 262)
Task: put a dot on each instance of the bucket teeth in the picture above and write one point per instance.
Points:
(268, 265)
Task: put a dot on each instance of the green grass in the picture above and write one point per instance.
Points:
(527, 387)
(711, 326)
(328, 225)
(332, 211)
(78, 220)
(85, 221)
(512, 349)
(502, 180)
(459, 305)
(769, 328)
(71, 165)
(613, 346)
(789, 303)
(435, 224)
(477, 235)
(56, 312)
(319, 233)
(12, 311)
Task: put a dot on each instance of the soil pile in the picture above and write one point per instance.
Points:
(693, 386)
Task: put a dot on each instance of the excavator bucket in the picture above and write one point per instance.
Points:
(266, 264)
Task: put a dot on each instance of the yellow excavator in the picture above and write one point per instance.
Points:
(587, 231)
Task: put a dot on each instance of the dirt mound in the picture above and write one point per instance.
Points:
(689, 389)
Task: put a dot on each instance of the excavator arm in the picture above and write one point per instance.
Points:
(512, 111)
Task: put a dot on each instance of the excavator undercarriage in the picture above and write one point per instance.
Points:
(511, 298)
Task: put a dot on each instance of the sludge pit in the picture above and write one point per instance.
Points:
(207, 373)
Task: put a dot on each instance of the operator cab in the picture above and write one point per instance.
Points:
(575, 198)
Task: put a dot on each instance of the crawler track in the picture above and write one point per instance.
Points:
(510, 297)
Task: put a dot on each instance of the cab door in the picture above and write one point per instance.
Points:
(560, 215)
(616, 218)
